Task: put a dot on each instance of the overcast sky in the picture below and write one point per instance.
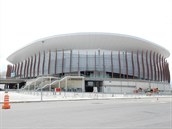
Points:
(23, 21)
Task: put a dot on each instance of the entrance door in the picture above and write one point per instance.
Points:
(90, 84)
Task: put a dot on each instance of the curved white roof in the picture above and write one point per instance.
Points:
(107, 41)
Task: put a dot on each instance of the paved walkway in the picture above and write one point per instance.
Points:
(15, 96)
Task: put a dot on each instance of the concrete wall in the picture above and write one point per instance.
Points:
(73, 84)
(2, 86)
(128, 86)
(117, 89)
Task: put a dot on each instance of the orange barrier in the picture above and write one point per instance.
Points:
(6, 102)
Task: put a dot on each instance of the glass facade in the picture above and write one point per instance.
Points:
(94, 63)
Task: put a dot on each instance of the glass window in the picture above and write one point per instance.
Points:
(154, 67)
(91, 61)
(52, 63)
(28, 67)
(107, 58)
(41, 63)
(145, 66)
(36, 68)
(46, 63)
(74, 61)
(149, 65)
(115, 62)
(130, 67)
(82, 61)
(141, 65)
(66, 61)
(123, 63)
(135, 64)
(59, 61)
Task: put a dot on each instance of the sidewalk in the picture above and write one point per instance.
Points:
(19, 97)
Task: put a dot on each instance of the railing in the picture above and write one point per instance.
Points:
(38, 82)
(48, 95)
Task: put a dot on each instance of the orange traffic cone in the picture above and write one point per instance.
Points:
(6, 102)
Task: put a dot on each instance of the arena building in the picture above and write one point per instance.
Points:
(104, 62)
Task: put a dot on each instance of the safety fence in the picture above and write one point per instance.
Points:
(87, 95)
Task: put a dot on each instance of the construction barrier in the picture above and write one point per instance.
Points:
(6, 104)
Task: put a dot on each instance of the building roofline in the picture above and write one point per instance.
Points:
(87, 40)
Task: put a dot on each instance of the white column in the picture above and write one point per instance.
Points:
(34, 84)
(17, 86)
(83, 85)
(50, 85)
(66, 84)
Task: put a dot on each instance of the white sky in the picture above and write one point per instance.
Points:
(23, 21)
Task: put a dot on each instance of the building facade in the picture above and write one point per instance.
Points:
(96, 56)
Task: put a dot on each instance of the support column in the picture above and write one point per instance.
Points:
(25, 68)
(83, 85)
(165, 71)
(165, 77)
(159, 62)
(162, 68)
(132, 58)
(168, 73)
(95, 65)
(9, 71)
(78, 64)
(55, 63)
(50, 85)
(15, 69)
(34, 67)
(38, 65)
(126, 60)
(70, 61)
(17, 86)
(28, 67)
(157, 65)
(138, 64)
(103, 65)
(66, 83)
(112, 63)
(98, 64)
(143, 66)
(43, 63)
(31, 66)
(18, 66)
(151, 65)
(62, 62)
(154, 66)
(119, 60)
(49, 61)
(147, 65)
(21, 69)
